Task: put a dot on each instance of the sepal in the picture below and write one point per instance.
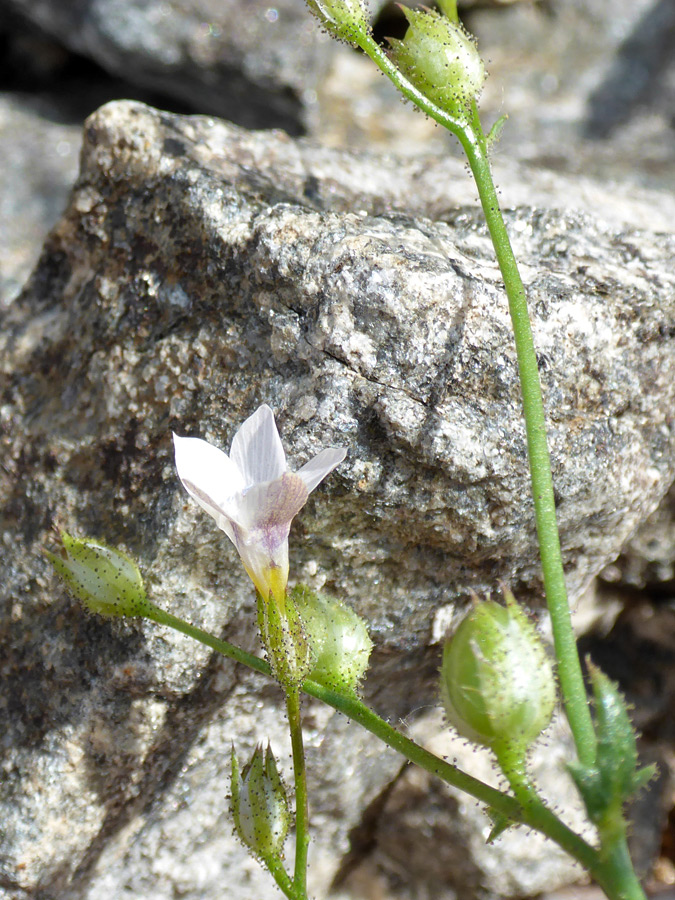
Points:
(260, 804)
(282, 631)
(615, 777)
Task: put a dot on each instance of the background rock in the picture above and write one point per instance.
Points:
(198, 271)
(33, 186)
(589, 90)
(245, 60)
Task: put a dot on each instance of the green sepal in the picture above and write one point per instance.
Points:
(495, 132)
(615, 777)
(103, 579)
(283, 635)
(260, 804)
(500, 824)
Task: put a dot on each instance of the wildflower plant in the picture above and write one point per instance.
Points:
(498, 684)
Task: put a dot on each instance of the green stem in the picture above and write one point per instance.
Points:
(569, 666)
(301, 798)
(275, 868)
(615, 873)
(512, 762)
(470, 135)
(541, 819)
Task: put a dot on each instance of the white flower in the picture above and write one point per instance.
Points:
(252, 495)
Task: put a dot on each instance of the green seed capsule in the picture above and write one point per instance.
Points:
(441, 59)
(106, 581)
(497, 682)
(339, 639)
(345, 19)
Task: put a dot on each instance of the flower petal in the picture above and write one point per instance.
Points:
(210, 477)
(268, 509)
(313, 472)
(256, 449)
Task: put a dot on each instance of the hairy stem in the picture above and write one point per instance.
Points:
(275, 868)
(541, 819)
(301, 798)
(567, 656)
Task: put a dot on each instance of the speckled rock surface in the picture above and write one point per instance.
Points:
(198, 271)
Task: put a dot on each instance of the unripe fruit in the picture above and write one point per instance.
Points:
(441, 59)
(260, 805)
(345, 19)
(338, 637)
(497, 682)
(106, 581)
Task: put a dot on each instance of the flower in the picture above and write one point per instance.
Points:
(252, 495)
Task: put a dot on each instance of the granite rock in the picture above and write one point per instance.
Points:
(198, 271)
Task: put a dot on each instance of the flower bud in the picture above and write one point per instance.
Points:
(339, 639)
(497, 682)
(260, 805)
(440, 58)
(345, 19)
(107, 581)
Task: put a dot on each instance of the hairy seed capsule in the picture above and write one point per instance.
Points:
(260, 805)
(339, 639)
(345, 19)
(106, 581)
(441, 59)
(497, 682)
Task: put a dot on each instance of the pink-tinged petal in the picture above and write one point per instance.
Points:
(313, 472)
(210, 477)
(268, 509)
(256, 449)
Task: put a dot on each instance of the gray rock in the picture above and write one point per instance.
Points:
(34, 186)
(248, 60)
(199, 271)
(647, 559)
(588, 86)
